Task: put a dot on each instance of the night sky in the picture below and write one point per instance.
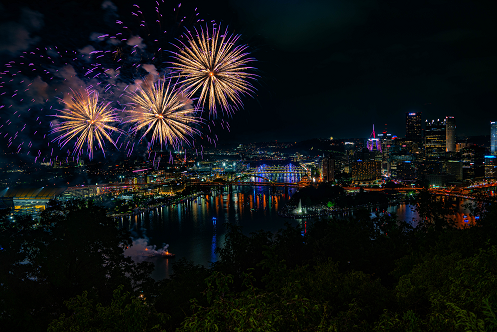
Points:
(326, 68)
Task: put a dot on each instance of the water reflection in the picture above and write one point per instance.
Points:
(191, 232)
(462, 218)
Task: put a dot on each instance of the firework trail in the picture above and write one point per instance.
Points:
(28, 93)
(161, 109)
(87, 121)
(140, 41)
(31, 83)
(211, 63)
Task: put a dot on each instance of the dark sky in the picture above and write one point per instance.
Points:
(326, 68)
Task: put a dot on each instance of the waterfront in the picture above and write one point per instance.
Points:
(191, 231)
(194, 228)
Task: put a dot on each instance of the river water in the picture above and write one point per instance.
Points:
(194, 228)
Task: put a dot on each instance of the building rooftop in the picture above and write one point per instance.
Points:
(32, 193)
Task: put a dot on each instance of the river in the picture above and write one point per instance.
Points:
(194, 228)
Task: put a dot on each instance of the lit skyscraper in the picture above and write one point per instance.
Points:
(490, 167)
(329, 168)
(493, 137)
(413, 126)
(435, 146)
(374, 143)
(450, 134)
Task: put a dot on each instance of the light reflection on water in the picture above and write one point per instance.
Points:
(191, 232)
(462, 218)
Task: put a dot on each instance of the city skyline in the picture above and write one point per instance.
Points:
(320, 65)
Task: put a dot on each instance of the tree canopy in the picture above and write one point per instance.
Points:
(67, 272)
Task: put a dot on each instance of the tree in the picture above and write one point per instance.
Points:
(77, 248)
(251, 309)
(125, 313)
(451, 291)
(435, 212)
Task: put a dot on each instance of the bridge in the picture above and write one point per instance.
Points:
(289, 169)
(238, 182)
(250, 176)
(457, 192)
(248, 183)
(483, 186)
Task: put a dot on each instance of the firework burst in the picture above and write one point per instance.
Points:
(161, 109)
(210, 62)
(87, 121)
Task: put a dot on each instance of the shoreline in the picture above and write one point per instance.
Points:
(138, 211)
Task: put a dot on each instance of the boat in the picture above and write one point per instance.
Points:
(167, 254)
(153, 254)
(164, 254)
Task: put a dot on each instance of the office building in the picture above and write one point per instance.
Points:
(455, 167)
(428, 167)
(493, 138)
(473, 158)
(450, 134)
(403, 170)
(365, 170)
(328, 167)
(435, 139)
(414, 131)
(490, 167)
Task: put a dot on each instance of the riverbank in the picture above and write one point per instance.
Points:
(291, 211)
(148, 208)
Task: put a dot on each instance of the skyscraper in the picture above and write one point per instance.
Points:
(450, 134)
(413, 126)
(328, 168)
(490, 167)
(374, 144)
(435, 139)
(493, 137)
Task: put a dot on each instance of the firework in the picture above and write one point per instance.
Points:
(159, 108)
(210, 62)
(87, 121)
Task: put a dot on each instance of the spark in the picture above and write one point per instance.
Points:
(161, 109)
(210, 62)
(87, 121)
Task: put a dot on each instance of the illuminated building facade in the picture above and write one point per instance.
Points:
(450, 134)
(30, 200)
(374, 143)
(493, 138)
(473, 158)
(328, 166)
(490, 167)
(455, 167)
(429, 167)
(435, 139)
(414, 131)
(403, 170)
(386, 142)
(367, 170)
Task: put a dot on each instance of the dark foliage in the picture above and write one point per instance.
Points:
(76, 248)
(356, 274)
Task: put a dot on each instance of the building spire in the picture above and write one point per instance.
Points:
(373, 142)
(373, 134)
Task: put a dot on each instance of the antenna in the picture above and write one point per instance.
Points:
(373, 134)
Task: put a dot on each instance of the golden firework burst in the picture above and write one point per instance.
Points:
(210, 62)
(164, 111)
(86, 120)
